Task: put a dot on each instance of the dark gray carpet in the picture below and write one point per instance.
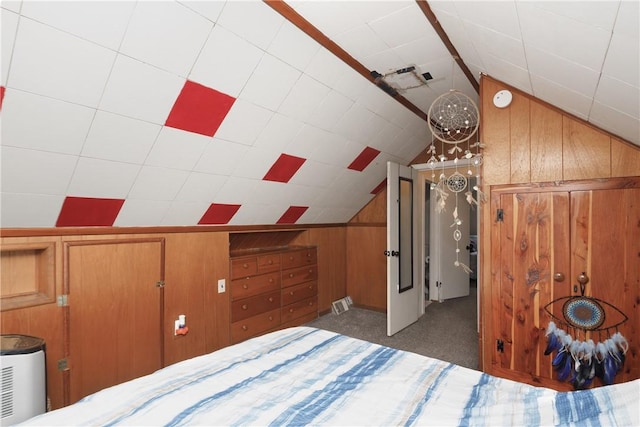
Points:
(447, 331)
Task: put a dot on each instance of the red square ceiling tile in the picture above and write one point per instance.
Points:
(219, 213)
(380, 187)
(284, 168)
(1, 96)
(292, 214)
(364, 158)
(199, 109)
(87, 212)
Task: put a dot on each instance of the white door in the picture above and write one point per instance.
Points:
(403, 288)
(446, 280)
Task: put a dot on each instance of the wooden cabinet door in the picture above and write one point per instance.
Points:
(542, 239)
(114, 312)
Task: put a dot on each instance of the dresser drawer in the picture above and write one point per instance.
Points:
(254, 285)
(299, 308)
(248, 307)
(268, 262)
(298, 292)
(299, 258)
(255, 325)
(243, 267)
(294, 276)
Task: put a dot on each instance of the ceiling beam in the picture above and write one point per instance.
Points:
(296, 19)
(433, 20)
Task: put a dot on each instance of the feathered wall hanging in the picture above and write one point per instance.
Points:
(576, 356)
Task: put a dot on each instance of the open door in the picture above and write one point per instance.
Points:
(403, 289)
(446, 279)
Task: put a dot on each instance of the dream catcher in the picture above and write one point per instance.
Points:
(576, 357)
(453, 120)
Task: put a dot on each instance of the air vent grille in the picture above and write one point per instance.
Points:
(7, 391)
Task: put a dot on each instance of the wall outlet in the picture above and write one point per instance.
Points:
(221, 286)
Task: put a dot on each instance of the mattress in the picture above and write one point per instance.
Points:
(308, 376)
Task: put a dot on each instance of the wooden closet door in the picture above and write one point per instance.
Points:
(533, 237)
(114, 313)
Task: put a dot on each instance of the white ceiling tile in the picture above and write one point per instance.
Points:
(220, 157)
(304, 98)
(167, 35)
(236, 191)
(565, 73)
(252, 20)
(627, 19)
(52, 63)
(184, 213)
(140, 213)
(270, 83)
(255, 163)
(507, 72)
(500, 16)
(373, 98)
(102, 22)
(102, 178)
(177, 149)
(330, 17)
(497, 44)
(278, 132)
(622, 125)
(140, 91)
(307, 142)
(201, 187)
(354, 124)
(29, 210)
(8, 36)
(293, 46)
(272, 193)
(403, 26)
(421, 51)
(226, 62)
(12, 5)
(383, 140)
(119, 138)
(623, 59)
(256, 214)
(619, 96)
(209, 9)
(361, 42)
(560, 96)
(244, 122)
(338, 151)
(589, 49)
(325, 67)
(600, 14)
(315, 174)
(351, 84)
(153, 183)
(38, 172)
(32, 121)
(327, 114)
(298, 195)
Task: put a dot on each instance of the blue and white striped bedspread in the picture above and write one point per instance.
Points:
(307, 376)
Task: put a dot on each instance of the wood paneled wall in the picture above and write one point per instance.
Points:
(194, 260)
(531, 142)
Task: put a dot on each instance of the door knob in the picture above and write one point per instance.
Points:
(558, 277)
(583, 279)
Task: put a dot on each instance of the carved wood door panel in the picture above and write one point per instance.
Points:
(543, 237)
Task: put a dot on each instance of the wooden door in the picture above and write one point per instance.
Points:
(114, 312)
(543, 237)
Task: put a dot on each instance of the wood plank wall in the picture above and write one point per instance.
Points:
(195, 258)
(533, 142)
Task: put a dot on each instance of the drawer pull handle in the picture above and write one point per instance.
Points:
(270, 279)
(245, 265)
(270, 299)
(291, 275)
(245, 286)
(292, 293)
(290, 258)
(311, 287)
(311, 271)
(270, 317)
(310, 303)
(270, 262)
(244, 327)
(244, 306)
(291, 310)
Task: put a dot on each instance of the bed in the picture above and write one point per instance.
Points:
(309, 376)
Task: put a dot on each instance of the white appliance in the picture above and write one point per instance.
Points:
(23, 382)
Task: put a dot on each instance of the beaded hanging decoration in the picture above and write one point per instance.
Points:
(576, 356)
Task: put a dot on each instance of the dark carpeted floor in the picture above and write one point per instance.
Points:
(447, 331)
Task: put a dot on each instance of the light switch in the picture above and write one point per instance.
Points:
(221, 286)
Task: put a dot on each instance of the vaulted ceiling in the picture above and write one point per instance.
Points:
(157, 113)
